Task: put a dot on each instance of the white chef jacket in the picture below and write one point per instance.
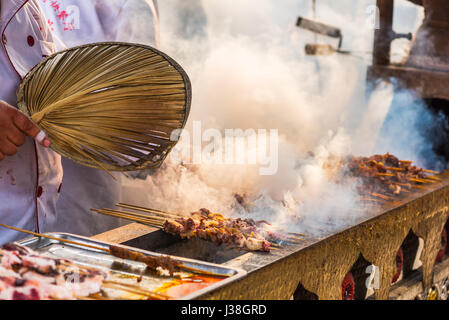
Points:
(29, 180)
(136, 21)
(77, 22)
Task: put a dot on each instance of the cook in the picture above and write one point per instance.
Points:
(30, 172)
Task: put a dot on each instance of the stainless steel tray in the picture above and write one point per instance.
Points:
(126, 270)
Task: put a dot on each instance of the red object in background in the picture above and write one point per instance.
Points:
(348, 287)
(30, 40)
(442, 251)
(399, 265)
(39, 192)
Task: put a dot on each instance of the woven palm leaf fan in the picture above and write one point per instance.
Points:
(112, 106)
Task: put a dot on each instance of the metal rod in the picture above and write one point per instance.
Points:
(383, 35)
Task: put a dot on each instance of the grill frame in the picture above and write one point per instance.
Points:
(320, 265)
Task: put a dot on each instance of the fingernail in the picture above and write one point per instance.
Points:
(40, 137)
(43, 139)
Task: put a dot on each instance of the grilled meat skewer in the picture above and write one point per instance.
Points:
(158, 264)
(384, 176)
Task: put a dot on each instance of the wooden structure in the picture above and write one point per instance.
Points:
(426, 70)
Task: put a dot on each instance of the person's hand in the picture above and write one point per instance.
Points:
(14, 126)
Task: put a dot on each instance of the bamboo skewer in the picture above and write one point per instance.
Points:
(131, 214)
(154, 211)
(143, 216)
(394, 169)
(428, 179)
(70, 242)
(434, 178)
(142, 292)
(151, 222)
(421, 180)
(370, 199)
(73, 264)
(137, 287)
(298, 234)
(384, 174)
(138, 290)
(157, 223)
(157, 226)
(54, 238)
(295, 238)
(132, 289)
(83, 298)
(93, 297)
(98, 296)
(128, 215)
(404, 174)
(274, 245)
(382, 196)
(124, 286)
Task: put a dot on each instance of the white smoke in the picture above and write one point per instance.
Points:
(248, 70)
